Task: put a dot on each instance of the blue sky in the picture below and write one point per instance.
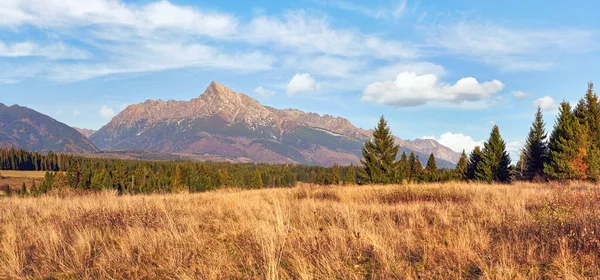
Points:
(442, 69)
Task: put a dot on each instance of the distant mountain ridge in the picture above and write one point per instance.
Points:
(22, 127)
(85, 132)
(225, 125)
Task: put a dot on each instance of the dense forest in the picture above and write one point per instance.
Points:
(572, 152)
(138, 176)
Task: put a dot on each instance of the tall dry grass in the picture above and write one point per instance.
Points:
(447, 231)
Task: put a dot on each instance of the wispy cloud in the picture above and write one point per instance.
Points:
(392, 11)
(510, 49)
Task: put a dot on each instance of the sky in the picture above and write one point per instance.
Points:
(446, 70)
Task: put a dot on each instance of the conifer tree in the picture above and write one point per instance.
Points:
(336, 175)
(461, 167)
(350, 178)
(495, 163)
(379, 156)
(587, 112)
(431, 169)
(403, 168)
(256, 182)
(567, 145)
(535, 153)
(474, 160)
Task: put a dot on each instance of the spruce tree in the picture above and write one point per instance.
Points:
(336, 175)
(567, 145)
(379, 156)
(587, 112)
(403, 168)
(474, 160)
(535, 153)
(461, 167)
(431, 169)
(350, 178)
(256, 182)
(495, 163)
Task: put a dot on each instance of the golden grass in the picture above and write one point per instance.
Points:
(445, 231)
(22, 174)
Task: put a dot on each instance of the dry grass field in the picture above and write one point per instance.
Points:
(22, 174)
(15, 179)
(448, 231)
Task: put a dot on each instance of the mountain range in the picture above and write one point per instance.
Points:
(25, 128)
(225, 125)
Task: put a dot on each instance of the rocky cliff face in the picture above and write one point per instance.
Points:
(22, 127)
(224, 125)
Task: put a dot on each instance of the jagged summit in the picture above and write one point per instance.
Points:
(222, 124)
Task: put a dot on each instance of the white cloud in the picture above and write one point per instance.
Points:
(410, 89)
(59, 112)
(514, 149)
(546, 103)
(144, 17)
(107, 112)
(458, 142)
(52, 51)
(301, 83)
(312, 35)
(520, 94)
(392, 12)
(511, 49)
(76, 113)
(264, 92)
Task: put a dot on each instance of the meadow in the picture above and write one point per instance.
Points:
(432, 231)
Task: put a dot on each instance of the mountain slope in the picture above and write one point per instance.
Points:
(225, 125)
(25, 128)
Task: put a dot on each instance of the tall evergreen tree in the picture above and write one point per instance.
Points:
(431, 169)
(495, 164)
(567, 145)
(350, 178)
(256, 182)
(474, 160)
(461, 167)
(336, 175)
(535, 153)
(587, 112)
(379, 156)
(403, 168)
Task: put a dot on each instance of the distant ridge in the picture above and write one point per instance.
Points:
(22, 127)
(225, 125)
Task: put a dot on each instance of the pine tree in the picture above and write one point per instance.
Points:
(256, 182)
(495, 163)
(336, 175)
(567, 145)
(350, 178)
(474, 160)
(403, 168)
(379, 156)
(431, 169)
(461, 167)
(588, 115)
(535, 153)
